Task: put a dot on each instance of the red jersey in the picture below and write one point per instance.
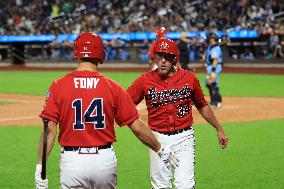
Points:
(85, 104)
(169, 101)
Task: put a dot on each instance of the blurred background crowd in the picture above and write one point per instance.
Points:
(24, 17)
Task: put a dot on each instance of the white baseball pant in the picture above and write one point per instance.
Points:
(92, 171)
(183, 144)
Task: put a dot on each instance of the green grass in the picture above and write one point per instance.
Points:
(19, 155)
(37, 83)
(254, 158)
(252, 85)
(25, 82)
(5, 102)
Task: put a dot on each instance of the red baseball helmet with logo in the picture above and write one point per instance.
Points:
(167, 46)
(161, 32)
(89, 45)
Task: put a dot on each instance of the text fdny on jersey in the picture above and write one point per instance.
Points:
(86, 83)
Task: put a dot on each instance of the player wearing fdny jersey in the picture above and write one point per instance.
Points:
(170, 92)
(85, 104)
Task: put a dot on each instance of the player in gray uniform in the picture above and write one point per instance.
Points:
(213, 62)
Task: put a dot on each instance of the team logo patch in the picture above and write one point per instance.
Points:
(46, 99)
(164, 46)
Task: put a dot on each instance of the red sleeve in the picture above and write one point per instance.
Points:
(126, 112)
(198, 97)
(135, 91)
(151, 53)
(50, 109)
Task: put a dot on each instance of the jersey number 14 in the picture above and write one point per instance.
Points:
(98, 119)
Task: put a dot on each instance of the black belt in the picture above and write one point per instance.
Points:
(73, 148)
(175, 132)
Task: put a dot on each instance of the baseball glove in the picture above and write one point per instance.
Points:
(169, 157)
(211, 78)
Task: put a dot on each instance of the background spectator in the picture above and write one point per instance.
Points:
(25, 17)
(197, 48)
(58, 16)
(183, 44)
(247, 54)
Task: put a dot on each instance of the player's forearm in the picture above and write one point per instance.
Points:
(145, 135)
(209, 116)
(50, 141)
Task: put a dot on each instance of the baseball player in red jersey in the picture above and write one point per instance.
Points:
(85, 105)
(160, 34)
(170, 93)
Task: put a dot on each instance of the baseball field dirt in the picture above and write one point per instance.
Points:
(234, 109)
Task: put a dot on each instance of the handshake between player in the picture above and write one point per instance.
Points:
(85, 115)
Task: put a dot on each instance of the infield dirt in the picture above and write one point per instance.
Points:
(24, 109)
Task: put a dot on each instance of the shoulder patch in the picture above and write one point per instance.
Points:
(48, 94)
(46, 100)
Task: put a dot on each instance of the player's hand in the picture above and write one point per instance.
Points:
(212, 77)
(168, 156)
(39, 183)
(223, 139)
(202, 60)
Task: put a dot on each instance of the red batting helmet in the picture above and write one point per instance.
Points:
(161, 32)
(167, 46)
(89, 45)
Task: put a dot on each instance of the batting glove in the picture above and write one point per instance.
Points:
(39, 183)
(168, 156)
